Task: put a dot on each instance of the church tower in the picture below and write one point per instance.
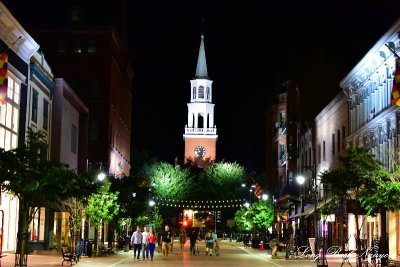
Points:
(200, 132)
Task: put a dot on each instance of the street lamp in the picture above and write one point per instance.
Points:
(321, 262)
(300, 179)
(101, 176)
(264, 197)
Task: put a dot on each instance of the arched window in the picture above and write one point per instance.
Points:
(194, 92)
(201, 92)
(208, 93)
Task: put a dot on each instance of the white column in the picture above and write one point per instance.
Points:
(196, 120)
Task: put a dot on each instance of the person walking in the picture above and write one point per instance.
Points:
(182, 238)
(193, 239)
(209, 242)
(152, 239)
(145, 247)
(136, 241)
(166, 241)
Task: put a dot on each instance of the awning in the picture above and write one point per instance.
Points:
(310, 209)
(307, 212)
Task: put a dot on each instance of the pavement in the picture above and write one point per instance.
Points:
(232, 254)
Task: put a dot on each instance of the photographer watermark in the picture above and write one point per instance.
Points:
(370, 252)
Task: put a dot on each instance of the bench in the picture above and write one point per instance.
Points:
(103, 250)
(345, 257)
(70, 257)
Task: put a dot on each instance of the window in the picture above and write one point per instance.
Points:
(201, 92)
(333, 144)
(9, 116)
(61, 46)
(75, 15)
(37, 225)
(338, 140)
(92, 49)
(74, 138)
(34, 110)
(17, 92)
(3, 114)
(208, 93)
(15, 120)
(282, 119)
(77, 47)
(45, 114)
(194, 93)
(323, 151)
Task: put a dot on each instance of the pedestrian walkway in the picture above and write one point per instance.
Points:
(232, 254)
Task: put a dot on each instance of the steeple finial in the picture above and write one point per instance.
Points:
(201, 69)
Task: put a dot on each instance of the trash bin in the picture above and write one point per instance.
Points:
(127, 241)
(79, 248)
(262, 245)
(89, 248)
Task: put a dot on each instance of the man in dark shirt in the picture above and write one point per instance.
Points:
(166, 241)
(193, 238)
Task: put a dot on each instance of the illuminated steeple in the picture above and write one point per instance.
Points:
(201, 69)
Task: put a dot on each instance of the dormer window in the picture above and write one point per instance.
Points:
(201, 92)
(194, 92)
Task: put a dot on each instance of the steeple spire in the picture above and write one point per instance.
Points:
(201, 69)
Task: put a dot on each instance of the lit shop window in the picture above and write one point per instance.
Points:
(9, 116)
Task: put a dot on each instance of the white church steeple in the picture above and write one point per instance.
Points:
(200, 132)
(201, 69)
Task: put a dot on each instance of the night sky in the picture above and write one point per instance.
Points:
(251, 47)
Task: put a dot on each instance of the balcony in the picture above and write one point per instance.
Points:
(201, 131)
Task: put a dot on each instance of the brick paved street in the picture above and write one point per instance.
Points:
(232, 254)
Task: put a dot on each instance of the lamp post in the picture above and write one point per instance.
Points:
(300, 179)
(321, 261)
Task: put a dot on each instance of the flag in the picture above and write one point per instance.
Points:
(396, 84)
(3, 77)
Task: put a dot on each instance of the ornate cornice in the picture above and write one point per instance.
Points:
(14, 36)
(378, 59)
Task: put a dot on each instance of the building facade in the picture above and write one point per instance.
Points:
(69, 135)
(374, 119)
(200, 132)
(19, 46)
(91, 55)
(37, 117)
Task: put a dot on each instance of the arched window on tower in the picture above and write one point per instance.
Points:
(194, 92)
(201, 92)
(208, 93)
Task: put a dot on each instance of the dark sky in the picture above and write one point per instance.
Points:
(250, 45)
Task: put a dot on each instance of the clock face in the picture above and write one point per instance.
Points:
(199, 151)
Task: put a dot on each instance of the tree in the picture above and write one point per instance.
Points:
(221, 181)
(75, 207)
(169, 181)
(242, 220)
(102, 207)
(262, 214)
(258, 217)
(36, 182)
(156, 219)
(361, 179)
